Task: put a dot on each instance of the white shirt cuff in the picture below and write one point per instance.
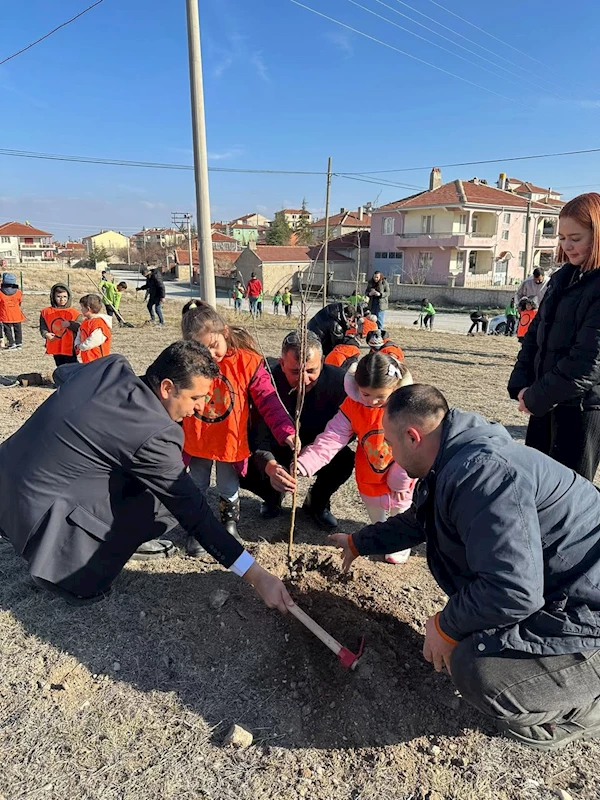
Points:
(242, 564)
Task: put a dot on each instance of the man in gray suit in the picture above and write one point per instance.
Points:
(97, 470)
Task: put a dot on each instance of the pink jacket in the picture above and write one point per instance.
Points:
(338, 434)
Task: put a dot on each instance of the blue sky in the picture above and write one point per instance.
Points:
(285, 89)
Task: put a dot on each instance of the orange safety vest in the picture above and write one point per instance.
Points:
(367, 326)
(62, 345)
(392, 349)
(220, 433)
(373, 454)
(10, 307)
(341, 353)
(525, 320)
(87, 326)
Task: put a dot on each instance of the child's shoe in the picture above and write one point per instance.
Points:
(401, 557)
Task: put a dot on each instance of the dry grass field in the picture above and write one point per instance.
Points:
(130, 699)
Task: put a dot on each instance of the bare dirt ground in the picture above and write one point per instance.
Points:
(131, 699)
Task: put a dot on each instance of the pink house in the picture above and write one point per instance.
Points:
(465, 233)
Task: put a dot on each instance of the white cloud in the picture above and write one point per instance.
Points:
(152, 206)
(261, 68)
(226, 154)
(341, 41)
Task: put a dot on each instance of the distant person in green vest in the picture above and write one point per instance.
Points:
(259, 303)
(355, 299)
(286, 298)
(427, 313)
(237, 294)
(276, 301)
(111, 295)
(512, 316)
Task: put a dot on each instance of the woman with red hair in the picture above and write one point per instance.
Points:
(557, 375)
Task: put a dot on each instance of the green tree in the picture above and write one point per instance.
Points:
(98, 254)
(279, 232)
(304, 231)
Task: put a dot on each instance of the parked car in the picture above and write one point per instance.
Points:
(497, 325)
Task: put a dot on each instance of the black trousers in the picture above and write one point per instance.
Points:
(511, 325)
(328, 481)
(521, 689)
(570, 436)
(13, 332)
(60, 360)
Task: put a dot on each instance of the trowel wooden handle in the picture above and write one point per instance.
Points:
(318, 631)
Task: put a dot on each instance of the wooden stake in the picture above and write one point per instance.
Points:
(301, 391)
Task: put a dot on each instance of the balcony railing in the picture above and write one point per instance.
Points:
(546, 239)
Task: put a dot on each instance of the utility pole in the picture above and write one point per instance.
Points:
(128, 251)
(527, 240)
(326, 248)
(179, 218)
(206, 269)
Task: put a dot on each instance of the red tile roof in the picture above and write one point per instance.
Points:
(460, 193)
(296, 211)
(276, 253)
(242, 225)
(524, 186)
(349, 240)
(183, 259)
(20, 229)
(348, 218)
(221, 237)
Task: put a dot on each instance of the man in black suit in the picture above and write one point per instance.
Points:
(97, 470)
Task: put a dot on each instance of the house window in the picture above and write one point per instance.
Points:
(427, 224)
(393, 255)
(549, 228)
(460, 260)
(474, 223)
(522, 259)
(507, 219)
(462, 223)
(505, 235)
(524, 223)
(5, 239)
(425, 261)
(388, 226)
(384, 255)
(377, 255)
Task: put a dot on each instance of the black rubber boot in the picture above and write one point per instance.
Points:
(230, 515)
(322, 517)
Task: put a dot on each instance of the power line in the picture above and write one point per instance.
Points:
(408, 55)
(118, 162)
(379, 182)
(482, 161)
(491, 35)
(364, 174)
(62, 25)
(520, 78)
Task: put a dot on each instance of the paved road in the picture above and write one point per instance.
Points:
(447, 323)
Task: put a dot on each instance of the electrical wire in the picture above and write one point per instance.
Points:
(366, 174)
(519, 78)
(408, 55)
(41, 39)
(491, 35)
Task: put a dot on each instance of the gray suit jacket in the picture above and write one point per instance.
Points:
(95, 472)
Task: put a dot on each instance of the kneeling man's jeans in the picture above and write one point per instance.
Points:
(522, 689)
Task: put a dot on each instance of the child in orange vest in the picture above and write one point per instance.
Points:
(95, 332)
(380, 342)
(59, 323)
(344, 354)
(11, 315)
(527, 310)
(220, 433)
(385, 488)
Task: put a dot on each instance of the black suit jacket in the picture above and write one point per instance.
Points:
(91, 475)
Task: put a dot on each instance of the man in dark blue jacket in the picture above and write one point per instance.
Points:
(513, 538)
